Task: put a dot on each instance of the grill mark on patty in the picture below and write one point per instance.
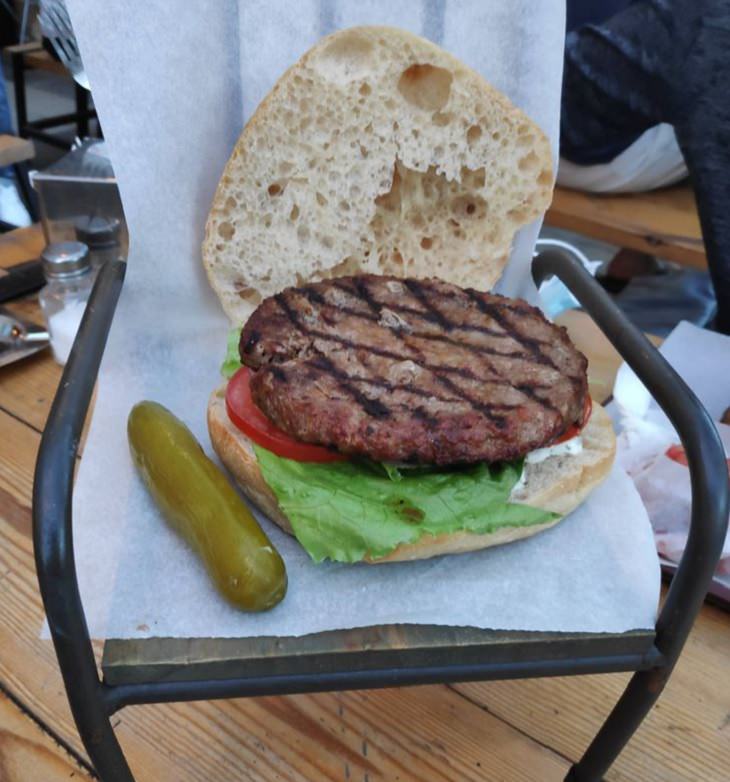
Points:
(493, 311)
(418, 412)
(420, 293)
(485, 409)
(468, 346)
(373, 407)
(496, 311)
(376, 307)
(312, 296)
(531, 347)
(376, 408)
(386, 385)
(431, 316)
(279, 373)
(435, 369)
(422, 415)
(364, 294)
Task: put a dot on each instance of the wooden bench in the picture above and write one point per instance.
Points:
(661, 222)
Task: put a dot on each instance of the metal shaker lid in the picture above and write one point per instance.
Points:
(64, 260)
(98, 232)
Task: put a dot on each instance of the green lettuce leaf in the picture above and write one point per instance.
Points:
(232, 362)
(344, 511)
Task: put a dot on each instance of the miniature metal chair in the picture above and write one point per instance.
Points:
(251, 667)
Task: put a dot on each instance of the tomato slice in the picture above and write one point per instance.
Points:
(575, 429)
(247, 417)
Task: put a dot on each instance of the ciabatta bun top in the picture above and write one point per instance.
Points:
(376, 152)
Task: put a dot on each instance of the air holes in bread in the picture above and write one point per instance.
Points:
(345, 58)
(226, 231)
(247, 294)
(529, 162)
(426, 86)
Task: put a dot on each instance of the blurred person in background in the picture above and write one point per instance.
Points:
(6, 124)
(12, 211)
(646, 101)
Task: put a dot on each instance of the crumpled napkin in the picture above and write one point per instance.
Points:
(648, 447)
(664, 486)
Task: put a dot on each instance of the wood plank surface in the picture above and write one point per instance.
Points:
(410, 734)
(661, 222)
(27, 388)
(20, 245)
(689, 725)
(502, 731)
(29, 754)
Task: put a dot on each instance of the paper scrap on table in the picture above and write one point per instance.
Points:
(647, 445)
(173, 91)
(665, 489)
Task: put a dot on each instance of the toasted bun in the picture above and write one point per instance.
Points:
(558, 484)
(376, 152)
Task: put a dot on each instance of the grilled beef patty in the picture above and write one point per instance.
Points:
(412, 370)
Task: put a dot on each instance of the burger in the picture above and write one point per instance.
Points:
(380, 403)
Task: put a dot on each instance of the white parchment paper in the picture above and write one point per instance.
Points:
(173, 84)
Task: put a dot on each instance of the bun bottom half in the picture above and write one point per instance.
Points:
(559, 483)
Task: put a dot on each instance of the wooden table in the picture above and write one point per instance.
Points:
(662, 222)
(509, 731)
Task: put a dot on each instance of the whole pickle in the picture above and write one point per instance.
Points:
(200, 503)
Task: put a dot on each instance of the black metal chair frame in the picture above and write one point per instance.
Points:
(37, 129)
(93, 701)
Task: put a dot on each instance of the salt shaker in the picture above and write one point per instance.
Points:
(67, 269)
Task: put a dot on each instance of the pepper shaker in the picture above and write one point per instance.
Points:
(101, 236)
